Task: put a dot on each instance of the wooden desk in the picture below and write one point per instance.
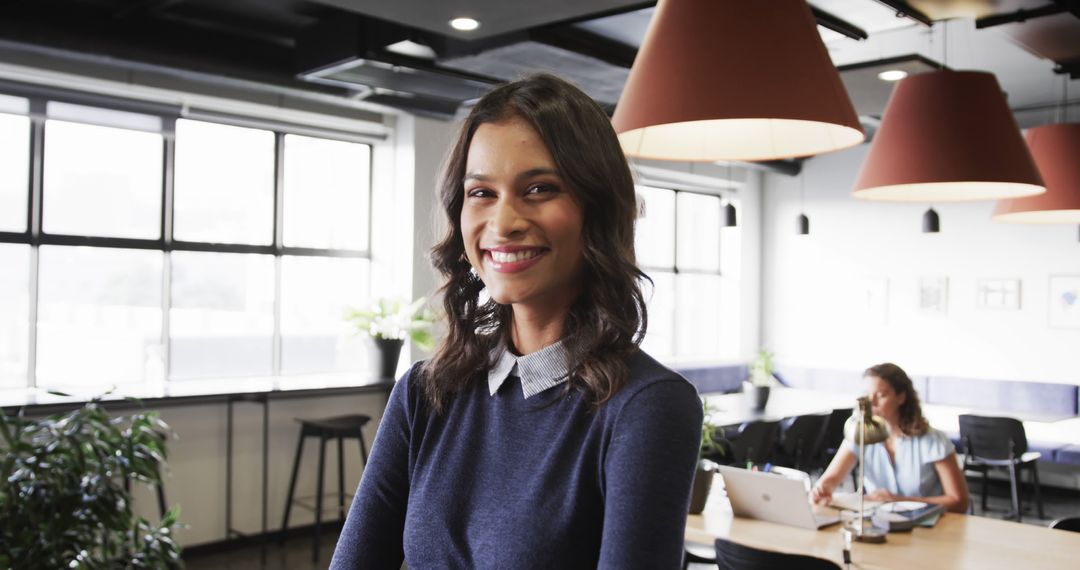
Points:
(957, 541)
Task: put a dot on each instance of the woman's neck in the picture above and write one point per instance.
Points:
(532, 329)
(894, 428)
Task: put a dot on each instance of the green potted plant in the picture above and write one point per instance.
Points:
(63, 497)
(760, 381)
(714, 448)
(388, 322)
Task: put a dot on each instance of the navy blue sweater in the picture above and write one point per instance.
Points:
(548, 482)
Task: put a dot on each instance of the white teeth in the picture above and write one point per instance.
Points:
(511, 257)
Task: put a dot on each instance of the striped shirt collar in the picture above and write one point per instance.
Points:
(538, 371)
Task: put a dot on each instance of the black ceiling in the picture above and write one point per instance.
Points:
(297, 43)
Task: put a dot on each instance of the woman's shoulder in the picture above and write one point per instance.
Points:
(645, 373)
(935, 443)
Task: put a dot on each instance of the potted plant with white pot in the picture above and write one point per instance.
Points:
(760, 380)
(388, 322)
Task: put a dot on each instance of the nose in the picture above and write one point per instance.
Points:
(508, 220)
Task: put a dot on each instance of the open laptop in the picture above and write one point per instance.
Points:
(773, 498)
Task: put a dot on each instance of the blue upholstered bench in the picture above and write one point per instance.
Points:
(1070, 455)
(1007, 396)
(839, 381)
(715, 378)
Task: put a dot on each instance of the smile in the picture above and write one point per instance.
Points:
(507, 260)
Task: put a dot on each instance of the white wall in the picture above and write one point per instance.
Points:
(814, 286)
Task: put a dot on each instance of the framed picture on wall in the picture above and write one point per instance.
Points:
(1065, 301)
(934, 296)
(1001, 294)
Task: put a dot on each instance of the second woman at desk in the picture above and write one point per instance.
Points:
(916, 463)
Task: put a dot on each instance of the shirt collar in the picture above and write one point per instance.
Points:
(538, 371)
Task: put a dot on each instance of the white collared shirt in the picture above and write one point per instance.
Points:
(543, 369)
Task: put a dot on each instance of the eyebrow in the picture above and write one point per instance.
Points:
(525, 175)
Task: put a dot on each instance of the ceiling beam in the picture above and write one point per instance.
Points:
(905, 10)
(838, 25)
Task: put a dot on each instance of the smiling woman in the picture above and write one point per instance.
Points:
(539, 435)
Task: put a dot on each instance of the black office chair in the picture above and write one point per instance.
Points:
(756, 442)
(735, 556)
(1000, 443)
(801, 441)
(1067, 523)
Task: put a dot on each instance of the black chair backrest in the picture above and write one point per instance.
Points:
(834, 429)
(734, 556)
(1067, 523)
(990, 437)
(803, 437)
(756, 442)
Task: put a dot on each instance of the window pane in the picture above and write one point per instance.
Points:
(729, 341)
(14, 313)
(99, 316)
(659, 338)
(655, 232)
(102, 181)
(316, 292)
(14, 172)
(699, 231)
(222, 318)
(326, 193)
(106, 117)
(224, 184)
(698, 315)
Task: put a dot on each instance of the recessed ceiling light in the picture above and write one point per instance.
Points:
(464, 24)
(892, 75)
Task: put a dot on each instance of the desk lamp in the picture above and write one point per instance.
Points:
(864, 428)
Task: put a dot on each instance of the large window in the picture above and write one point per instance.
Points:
(693, 262)
(138, 246)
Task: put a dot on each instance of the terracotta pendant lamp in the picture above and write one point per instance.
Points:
(1056, 150)
(948, 136)
(734, 80)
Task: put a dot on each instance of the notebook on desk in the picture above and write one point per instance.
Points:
(773, 498)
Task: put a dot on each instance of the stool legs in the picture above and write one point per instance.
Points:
(319, 499)
(341, 478)
(292, 488)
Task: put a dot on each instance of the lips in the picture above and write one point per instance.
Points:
(506, 259)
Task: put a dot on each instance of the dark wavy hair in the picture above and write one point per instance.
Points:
(912, 421)
(608, 320)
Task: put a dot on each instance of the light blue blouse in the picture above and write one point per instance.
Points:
(913, 473)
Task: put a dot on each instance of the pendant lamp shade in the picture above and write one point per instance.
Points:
(1056, 150)
(734, 80)
(948, 136)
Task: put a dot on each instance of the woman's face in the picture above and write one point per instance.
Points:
(521, 225)
(884, 401)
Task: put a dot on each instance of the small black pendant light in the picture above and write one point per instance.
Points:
(804, 225)
(731, 219)
(931, 224)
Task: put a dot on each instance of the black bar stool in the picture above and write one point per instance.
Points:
(339, 428)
